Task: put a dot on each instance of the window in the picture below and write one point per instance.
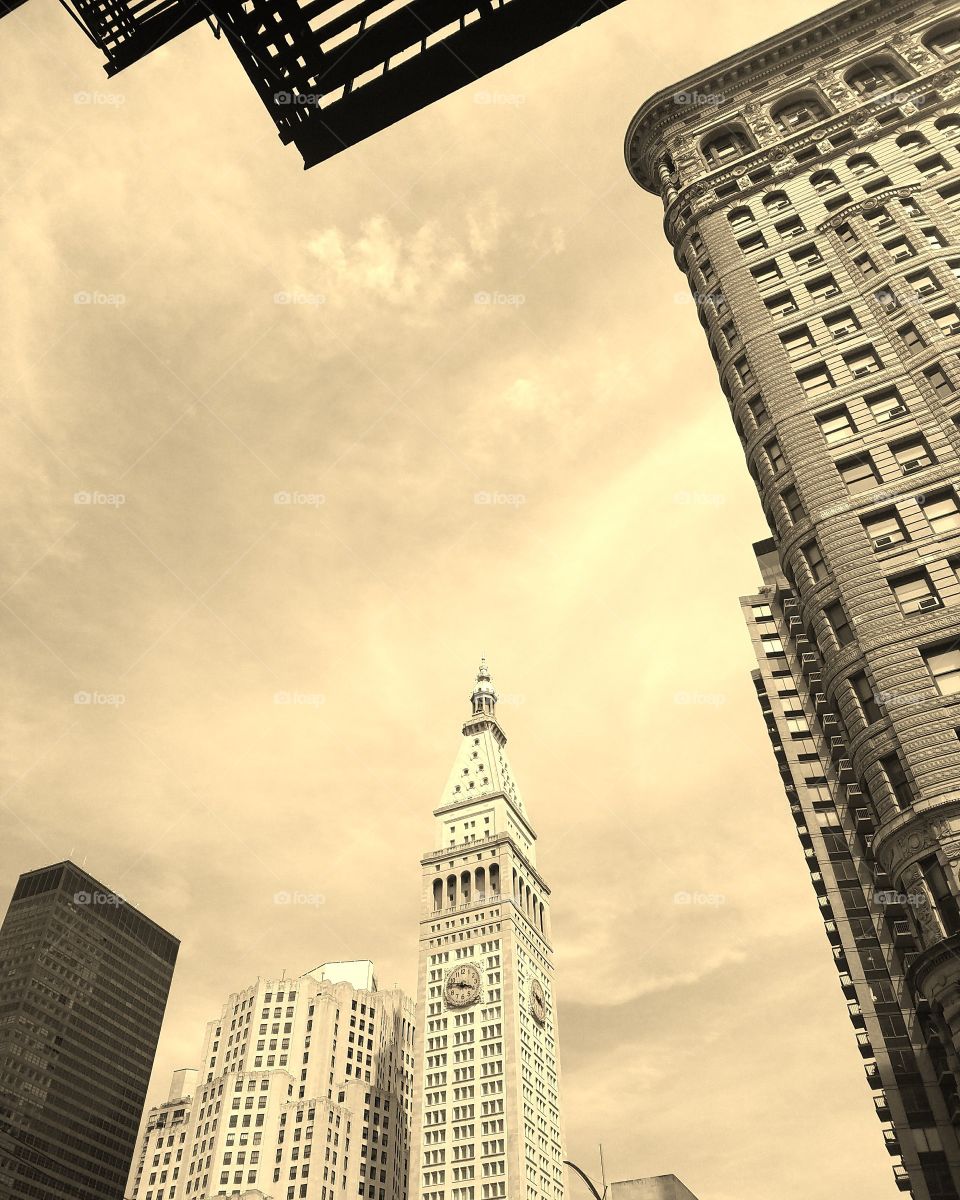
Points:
(798, 343)
(816, 379)
(725, 145)
(781, 304)
(741, 218)
(942, 510)
(847, 235)
(933, 237)
(758, 410)
(914, 592)
(912, 141)
(897, 780)
(794, 506)
(875, 77)
(885, 529)
(790, 227)
(945, 41)
(776, 202)
(824, 182)
(865, 264)
(879, 220)
(948, 320)
(858, 473)
(938, 380)
(911, 338)
(836, 425)
(899, 249)
(924, 283)
(861, 164)
(864, 694)
(806, 257)
(943, 663)
(887, 300)
(837, 620)
(885, 405)
(775, 455)
(752, 241)
(796, 113)
(823, 287)
(841, 324)
(944, 902)
(864, 361)
(936, 164)
(744, 374)
(814, 560)
(912, 455)
(765, 273)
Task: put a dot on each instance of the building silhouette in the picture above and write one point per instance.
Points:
(811, 187)
(303, 1093)
(487, 1107)
(84, 979)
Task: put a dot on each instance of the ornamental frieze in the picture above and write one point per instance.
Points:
(914, 838)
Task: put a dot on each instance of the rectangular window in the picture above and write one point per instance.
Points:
(742, 368)
(914, 592)
(752, 241)
(948, 320)
(858, 473)
(936, 164)
(791, 500)
(886, 405)
(816, 379)
(924, 283)
(841, 324)
(823, 288)
(941, 510)
(899, 249)
(911, 338)
(943, 663)
(790, 227)
(938, 380)
(775, 454)
(814, 560)
(766, 273)
(912, 455)
(806, 257)
(897, 780)
(758, 410)
(879, 219)
(781, 304)
(864, 694)
(836, 425)
(865, 264)
(884, 528)
(933, 237)
(951, 195)
(864, 361)
(798, 343)
(837, 618)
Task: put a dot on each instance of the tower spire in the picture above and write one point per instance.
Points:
(484, 698)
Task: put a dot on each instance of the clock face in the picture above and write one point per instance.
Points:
(538, 1002)
(462, 986)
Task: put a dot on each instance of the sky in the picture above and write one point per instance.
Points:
(286, 452)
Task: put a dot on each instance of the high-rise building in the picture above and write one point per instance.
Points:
(486, 1103)
(811, 187)
(304, 1093)
(84, 979)
(163, 1141)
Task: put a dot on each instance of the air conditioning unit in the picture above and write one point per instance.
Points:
(880, 542)
(898, 410)
(915, 464)
(929, 602)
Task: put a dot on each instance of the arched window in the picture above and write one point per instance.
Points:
(776, 202)
(740, 218)
(798, 111)
(862, 164)
(465, 887)
(438, 894)
(825, 181)
(725, 144)
(452, 891)
(912, 141)
(479, 884)
(876, 76)
(950, 124)
(494, 879)
(945, 40)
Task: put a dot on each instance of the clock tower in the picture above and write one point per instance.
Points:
(486, 1099)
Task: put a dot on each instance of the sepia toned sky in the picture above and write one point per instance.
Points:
(476, 304)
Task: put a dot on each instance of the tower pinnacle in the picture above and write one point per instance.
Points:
(484, 698)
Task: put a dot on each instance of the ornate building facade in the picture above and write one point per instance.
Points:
(811, 187)
(486, 1099)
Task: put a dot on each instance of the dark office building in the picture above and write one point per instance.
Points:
(84, 979)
